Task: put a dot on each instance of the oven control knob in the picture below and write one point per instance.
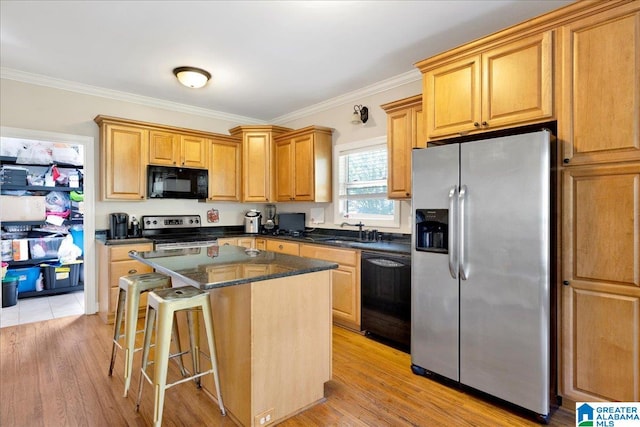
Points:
(196, 221)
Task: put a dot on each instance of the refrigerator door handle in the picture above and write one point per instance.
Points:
(453, 238)
(462, 254)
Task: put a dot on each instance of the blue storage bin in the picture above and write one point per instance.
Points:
(27, 278)
(78, 238)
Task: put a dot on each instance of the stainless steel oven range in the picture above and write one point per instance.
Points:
(177, 232)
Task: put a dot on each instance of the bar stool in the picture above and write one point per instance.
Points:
(130, 289)
(164, 304)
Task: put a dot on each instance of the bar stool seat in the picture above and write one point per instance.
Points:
(162, 305)
(130, 289)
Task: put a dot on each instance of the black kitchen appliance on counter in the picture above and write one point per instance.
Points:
(291, 224)
(118, 225)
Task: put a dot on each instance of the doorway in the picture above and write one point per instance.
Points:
(74, 302)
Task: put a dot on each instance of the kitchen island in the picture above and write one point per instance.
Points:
(272, 324)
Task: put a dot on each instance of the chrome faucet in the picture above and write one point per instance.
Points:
(359, 225)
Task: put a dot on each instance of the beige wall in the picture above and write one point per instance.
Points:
(29, 106)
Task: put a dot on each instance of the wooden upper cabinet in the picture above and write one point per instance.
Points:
(502, 86)
(193, 151)
(173, 149)
(405, 131)
(303, 165)
(452, 98)
(123, 154)
(164, 148)
(225, 169)
(258, 175)
(600, 114)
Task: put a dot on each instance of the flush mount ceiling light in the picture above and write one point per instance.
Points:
(360, 115)
(192, 77)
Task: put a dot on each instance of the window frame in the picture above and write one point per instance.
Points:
(362, 145)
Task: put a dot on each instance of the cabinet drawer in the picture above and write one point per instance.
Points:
(283, 247)
(121, 252)
(341, 256)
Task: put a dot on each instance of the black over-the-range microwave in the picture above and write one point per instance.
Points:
(165, 182)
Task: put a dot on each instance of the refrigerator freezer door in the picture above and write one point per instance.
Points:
(434, 305)
(504, 301)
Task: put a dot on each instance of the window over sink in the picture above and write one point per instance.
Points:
(362, 169)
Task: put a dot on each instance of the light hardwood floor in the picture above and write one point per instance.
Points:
(54, 373)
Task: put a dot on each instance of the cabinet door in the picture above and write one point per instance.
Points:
(451, 98)
(256, 167)
(124, 162)
(399, 143)
(346, 296)
(601, 87)
(164, 148)
(601, 277)
(225, 171)
(304, 172)
(517, 82)
(261, 244)
(285, 170)
(247, 242)
(193, 151)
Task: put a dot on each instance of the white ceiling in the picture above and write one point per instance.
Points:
(268, 58)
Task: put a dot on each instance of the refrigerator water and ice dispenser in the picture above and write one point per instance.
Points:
(432, 230)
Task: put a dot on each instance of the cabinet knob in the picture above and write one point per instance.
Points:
(485, 124)
(280, 247)
(566, 160)
(133, 271)
(476, 124)
(407, 194)
(566, 283)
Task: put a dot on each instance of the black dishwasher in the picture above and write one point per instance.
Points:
(386, 298)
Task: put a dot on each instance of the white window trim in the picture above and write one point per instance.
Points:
(353, 146)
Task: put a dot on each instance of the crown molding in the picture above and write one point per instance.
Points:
(350, 97)
(40, 80)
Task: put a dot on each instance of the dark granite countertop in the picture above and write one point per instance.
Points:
(201, 267)
(395, 243)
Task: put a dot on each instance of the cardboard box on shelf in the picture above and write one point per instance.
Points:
(22, 208)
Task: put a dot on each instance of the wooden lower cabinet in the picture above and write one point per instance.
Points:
(600, 323)
(114, 262)
(273, 342)
(283, 247)
(345, 282)
(245, 242)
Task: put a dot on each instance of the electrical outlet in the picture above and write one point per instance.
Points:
(264, 419)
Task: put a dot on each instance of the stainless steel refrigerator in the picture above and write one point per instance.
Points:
(481, 266)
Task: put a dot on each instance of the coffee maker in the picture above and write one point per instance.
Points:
(118, 225)
(270, 216)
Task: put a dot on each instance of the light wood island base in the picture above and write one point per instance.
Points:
(274, 346)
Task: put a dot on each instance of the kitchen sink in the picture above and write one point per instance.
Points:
(342, 240)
